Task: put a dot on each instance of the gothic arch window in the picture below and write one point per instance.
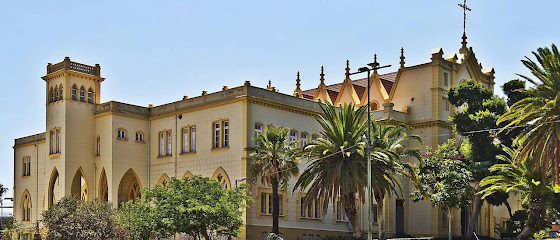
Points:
(82, 94)
(103, 187)
(52, 95)
(74, 93)
(129, 187)
(221, 176)
(90, 95)
(26, 207)
(79, 185)
(134, 192)
(54, 188)
(60, 95)
(56, 93)
(373, 106)
(163, 180)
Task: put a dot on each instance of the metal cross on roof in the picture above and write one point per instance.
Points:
(465, 8)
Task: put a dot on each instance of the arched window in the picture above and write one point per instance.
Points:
(26, 207)
(52, 95)
(60, 92)
(82, 94)
(373, 106)
(74, 93)
(56, 93)
(90, 95)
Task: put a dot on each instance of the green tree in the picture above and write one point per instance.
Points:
(540, 110)
(199, 207)
(274, 160)
(444, 179)
(523, 179)
(337, 166)
(478, 111)
(12, 229)
(73, 219)
(140, 221)
(3, 190)
(387, 151)
(338, 163)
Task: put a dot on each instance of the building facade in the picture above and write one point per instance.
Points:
(109, 151)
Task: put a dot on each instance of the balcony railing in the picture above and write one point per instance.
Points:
(74, 66)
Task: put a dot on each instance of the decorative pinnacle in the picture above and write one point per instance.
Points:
(347, 68)
(464, 48)
(269, 86)
(402, 57)
(322, 75)
(298, 80)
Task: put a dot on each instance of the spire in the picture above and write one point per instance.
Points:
(322, 76)
(347, 68)
(298, 92)
(269, 86)
(465, 8)
(402, 57)
(375, 63)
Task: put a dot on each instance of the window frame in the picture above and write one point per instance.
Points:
(188, 139)
(139, 137)
(267, 200)
(164, 143)
(303, 143)
(98, 146)
(82, 94)
(311, 211)
(74, 92)
(221, 134)
(122, 134)
(90, 96)
(55, 142)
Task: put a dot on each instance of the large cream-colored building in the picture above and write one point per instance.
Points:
(111, 150)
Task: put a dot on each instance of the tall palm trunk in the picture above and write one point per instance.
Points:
(477, 206)
(275, 206)
(381, 218)
(536, 212)
(351, 212)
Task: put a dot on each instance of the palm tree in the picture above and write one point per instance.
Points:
(541, 110)
(523, 179)
(338, 163)
(274, 160)
(387, 150)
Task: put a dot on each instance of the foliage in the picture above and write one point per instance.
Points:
(273, 236)
(526, 181)
(198, 207)
(274, 160)
(140, 221)
(517, 222)
(72, 218)
(2, 190)
(444, 179)
(514, 90)
(478, 111)
(12, 229)
(540, 110)
(337, 167)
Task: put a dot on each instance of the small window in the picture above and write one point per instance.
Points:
(61, 92)
(169, 153)
(446, 103)
(193, 139)
(52, 95)
(312, 211)
(263, 202)
(121, 134)
(373, 106)
(340, 215)
(139, 137)
(293, 136)
(225, 141)
(26, 169)
(82, 94)
(217, 135)
(58, 140)
(162, 144)
(98, 148)
(317, 237)
(445, 79)
(264, 235)
(74, 93)
(374, 213)
(258, 131)
(55, 141)
(90, 95)
(266, 203)
(303, 237)
(304, 138)
(56, 93)
(189, 139)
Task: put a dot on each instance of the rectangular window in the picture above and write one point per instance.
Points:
(258, 131)
(24, 168)
(304, 137)
(28, 166)
(139, 137)
(217, 135)
(293, 136)
(317, 210)
(58, 141)
(53, 142)
(374, 213)
(98, 152)
(162, 144)
(225, 142)
(169, 143)
(263, 202)
(185, 140)
(193, 139)
(314, 138)
(445, 79)
(90, 97)
(269, 203)
(446, 103)
(302, 207)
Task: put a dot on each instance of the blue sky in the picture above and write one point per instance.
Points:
(157, 51)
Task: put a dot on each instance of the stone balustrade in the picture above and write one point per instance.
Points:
(66, 64)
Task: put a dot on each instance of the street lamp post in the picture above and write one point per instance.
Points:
(374, 67)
